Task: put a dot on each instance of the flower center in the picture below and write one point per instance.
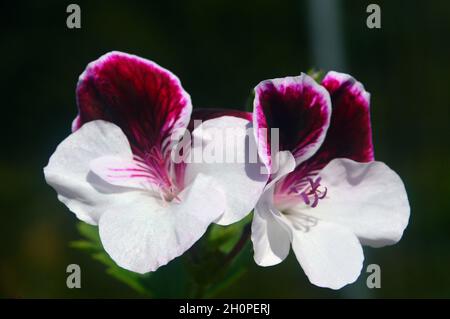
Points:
(312, 193)
(157, 169)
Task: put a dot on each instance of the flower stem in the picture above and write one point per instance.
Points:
(245, 235)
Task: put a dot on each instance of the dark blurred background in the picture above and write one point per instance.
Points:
(220, 50)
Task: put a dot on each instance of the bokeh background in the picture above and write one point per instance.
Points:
(220, 50)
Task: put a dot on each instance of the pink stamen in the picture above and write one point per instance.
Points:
(157, 172)
(312, 194)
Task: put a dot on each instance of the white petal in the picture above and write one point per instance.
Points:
(142, 233)
(283, 164)
(271, 240)
(241, 181)
(68, 168)
(270, 233)
(369, 198)
(330, 255)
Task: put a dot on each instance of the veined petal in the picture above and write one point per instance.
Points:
(142, 233)
(145, 100)
(222, 150)
(69, 166)
(349, 134)
(297, 106)
(125, 172)
(330, 255)
(368, 198)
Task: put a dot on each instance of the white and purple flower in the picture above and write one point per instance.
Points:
(327, 195)
(116, 171)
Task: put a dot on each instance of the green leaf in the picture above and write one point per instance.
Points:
(225, 237)
(85, 245)
(213, 262)
(104, 259)
(89, 232)
(131, 279)
(238, 268)
(169, 281)
(317, 75)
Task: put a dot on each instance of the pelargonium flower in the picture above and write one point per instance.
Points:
(327, 195)
(116, 168)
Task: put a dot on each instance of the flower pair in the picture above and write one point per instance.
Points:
(324, 194)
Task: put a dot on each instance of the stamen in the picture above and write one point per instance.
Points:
(305, 198)
(311, 194)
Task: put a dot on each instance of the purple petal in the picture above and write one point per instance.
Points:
(299, 107)
(349, 135)
(145, 100)
(350, 132)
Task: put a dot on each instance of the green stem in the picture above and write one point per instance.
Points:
(200, 289)
(239, 245)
